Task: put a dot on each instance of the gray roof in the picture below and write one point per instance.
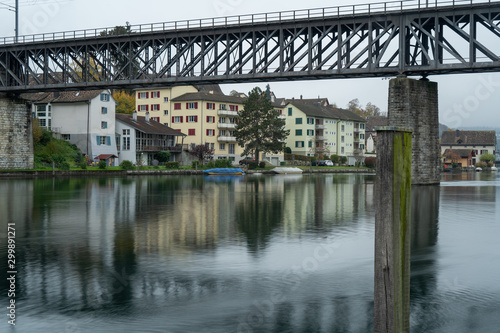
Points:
(376, 121)
(151, 127)
(62, 97)
(460, 152)
(468, 138)
(204, 96)
(316, 110)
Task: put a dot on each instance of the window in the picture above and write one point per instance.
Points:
(191, 105)
(177, 106)
(222, 120)
(342, 139)
(103, 140)
(299, 144)
(362, 126)
(105, 97)
(210, 119)
(342, 150)
(157, 119)
(342, 128)
(298, 132)
(191, 131)
(210, 132)
(289, 112)
(177, 119)
(155, 94)
(104, 124)
(233, 107)
(310, 144)
(142, 95)
(165, 112)
(222, 146)
(232, 147)
(155, 107)
(165, 99)
(104, 110)
(143, 108)
(192, 119)
(362, 136)
(310, 121)
(66, 137)
(222, 107)
(210, 106)
(310, 132)
(362, 146)
(212, 146)
(222, 132)
(298, 121)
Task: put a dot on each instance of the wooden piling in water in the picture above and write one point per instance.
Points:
(392, 230)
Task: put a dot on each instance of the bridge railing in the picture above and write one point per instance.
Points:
(379, 8)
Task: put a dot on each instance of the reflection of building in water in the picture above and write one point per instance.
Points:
(329, 200)
(16, 204)
(176, 222)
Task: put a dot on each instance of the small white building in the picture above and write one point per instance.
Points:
(140, 138)
(84, 118)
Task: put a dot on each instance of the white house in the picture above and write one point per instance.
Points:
(140, 138)
(85, 118)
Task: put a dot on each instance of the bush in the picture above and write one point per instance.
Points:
(223, 163)
(335, 158)
(370, 162)
(163, 156)
(481, 165)
(64, 166)
(102, 164)
(172, 165)
(343, 160)
(127, 165)
(288, 150)
(262, 164)
(211, 164)
(252, 165)
(195, 164)
(83, 165)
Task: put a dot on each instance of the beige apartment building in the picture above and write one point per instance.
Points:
(204, 113)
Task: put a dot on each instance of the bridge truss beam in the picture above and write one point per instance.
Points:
(458, 39)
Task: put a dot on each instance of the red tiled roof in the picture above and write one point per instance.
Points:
(105, 156)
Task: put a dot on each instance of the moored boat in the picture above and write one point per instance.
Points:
(224, 172)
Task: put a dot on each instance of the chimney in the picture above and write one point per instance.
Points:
(134, 115)
(147, 116)
(458, 133)
(300, 96)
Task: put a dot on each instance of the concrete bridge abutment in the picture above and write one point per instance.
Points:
(414, 104)
(16, 134)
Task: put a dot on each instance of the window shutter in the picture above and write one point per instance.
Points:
(236, 107)
(208, 119)
(196, 105)
(195, 119)
(187, 105)
(138, 95)
(98, 140)
(183, 118)
(147, 95)
(173, 120)
(108, 140)
(208, 106)
(207, 133)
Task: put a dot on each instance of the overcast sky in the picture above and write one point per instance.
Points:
(464, 100)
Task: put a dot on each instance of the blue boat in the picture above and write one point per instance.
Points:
(224, 171)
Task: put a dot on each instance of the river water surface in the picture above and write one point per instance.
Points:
(243, 254)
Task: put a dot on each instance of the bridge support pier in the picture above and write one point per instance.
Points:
(16, 138)
(414, 104)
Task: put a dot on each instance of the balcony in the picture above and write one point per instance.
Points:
(226, 126)
(356, 129)
(320, 138)
(320, 126)
(226, 138)
(155, 148)
(227, 113)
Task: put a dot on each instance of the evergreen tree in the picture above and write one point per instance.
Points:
(259, 128)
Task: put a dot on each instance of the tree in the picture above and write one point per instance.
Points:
(487, 158)
(202, 152)
(372, 110)
(260, 128)
(37, 132)
(163, 156)
(125, 102)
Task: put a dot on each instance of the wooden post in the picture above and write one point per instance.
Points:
(392, 230)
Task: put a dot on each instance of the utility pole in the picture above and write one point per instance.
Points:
(17, 21)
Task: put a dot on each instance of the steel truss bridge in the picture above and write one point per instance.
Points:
(417, 37)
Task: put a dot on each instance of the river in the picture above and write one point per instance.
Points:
(241, 254)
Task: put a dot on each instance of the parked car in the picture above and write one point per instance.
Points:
(246, 161)
(315, 163)
(325, 163)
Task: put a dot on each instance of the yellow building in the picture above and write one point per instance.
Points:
(204, 113)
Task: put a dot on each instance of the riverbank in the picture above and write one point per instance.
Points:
(179, 172)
